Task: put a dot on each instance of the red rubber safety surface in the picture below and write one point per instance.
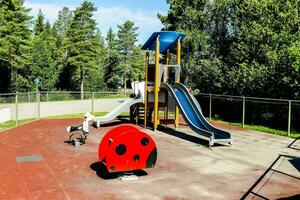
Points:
(65, 172)
(185, 169)
(125, 148)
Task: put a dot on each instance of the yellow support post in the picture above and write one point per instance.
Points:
(168, 57)
(167, 64)
(146, 90)
(178, 79)
(156, 89)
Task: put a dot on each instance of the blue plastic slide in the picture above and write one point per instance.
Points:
(192, 114)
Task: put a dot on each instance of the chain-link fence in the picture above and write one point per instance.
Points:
(280, 114)
(34, 105)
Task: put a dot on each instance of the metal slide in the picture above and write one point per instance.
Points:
(191, 112)
(124, 106)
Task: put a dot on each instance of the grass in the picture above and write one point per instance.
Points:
(12, 123)
(264, 129)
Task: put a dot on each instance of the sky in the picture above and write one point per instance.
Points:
(110, 13)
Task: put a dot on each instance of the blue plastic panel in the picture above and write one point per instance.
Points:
(167, 39)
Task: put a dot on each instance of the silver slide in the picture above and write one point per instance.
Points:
(124, 106)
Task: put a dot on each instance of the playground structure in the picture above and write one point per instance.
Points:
(158, 90)
(152, 96)
(125, 148)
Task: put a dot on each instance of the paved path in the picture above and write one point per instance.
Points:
(30, 110)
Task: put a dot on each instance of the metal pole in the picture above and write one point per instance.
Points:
(16, 108)
(93, 97)
(289, 117)
(146, 90)
(28, 96)
(210, 102)
(178, 80)
(156, 89)
(243, 117)
(38, 97)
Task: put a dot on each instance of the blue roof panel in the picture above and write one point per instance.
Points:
(168, 40)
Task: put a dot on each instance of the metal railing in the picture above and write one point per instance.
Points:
(252, 110)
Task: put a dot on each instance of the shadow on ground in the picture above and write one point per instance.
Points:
(292, 145)
(102, 172)
(187, 137)
(295, 197)
(113, 123)
(296, 163)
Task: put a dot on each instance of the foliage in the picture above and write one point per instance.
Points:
(14, 42)
(239, 47)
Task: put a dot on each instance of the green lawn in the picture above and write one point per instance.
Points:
(264, 129)
(12, 123)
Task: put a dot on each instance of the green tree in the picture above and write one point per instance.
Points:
(113, 70)
(239, 47)
(42, 65)
(80, 46)
(96, 79)
(60, 28)
(14, 44)
(127, 37)
(192, 18)
(39, 25)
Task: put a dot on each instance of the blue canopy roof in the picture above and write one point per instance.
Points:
(168, 41)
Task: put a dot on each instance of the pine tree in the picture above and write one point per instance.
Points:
(80, 45)
(39, 26)
(127, 37)
(42, 65)
(60, 28)
(113, 71)
(42, 58)
(14, 43)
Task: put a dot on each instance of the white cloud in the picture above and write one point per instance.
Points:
(107, 17)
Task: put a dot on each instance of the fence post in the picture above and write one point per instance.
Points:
(93, 98)
(38, 99)
(210, 102)
(243, 117)
(47, 96)
(289, 117)
(28, 96)
(16, 108)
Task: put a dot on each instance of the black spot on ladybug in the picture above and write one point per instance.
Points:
(121, 149)
(151, 159)
(145, 141)
(136, 157)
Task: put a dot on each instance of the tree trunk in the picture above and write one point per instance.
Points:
(81, 89)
